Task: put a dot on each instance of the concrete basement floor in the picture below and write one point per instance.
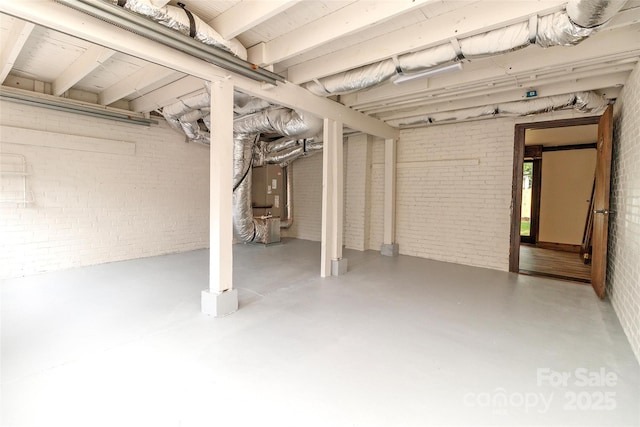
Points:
(396, 342)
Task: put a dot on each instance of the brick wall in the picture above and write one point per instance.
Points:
(307, 199)
(376, 187)
(454, 192)
(357, 191)
(93, 204)
(623, 275)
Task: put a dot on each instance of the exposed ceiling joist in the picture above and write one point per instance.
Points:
(355, 17)
(144, 77)
(620, 72)
(516, 66)
(509, 95)
(474, 19)
(61, 18)
(13, 44)
(167, 95)
(246, 15)
(91, 59)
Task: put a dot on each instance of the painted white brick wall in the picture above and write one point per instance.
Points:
(454, 207)
(623, 275)
(376, 213)
(357, 200)
(307, 199)
(454, 192)
(307, 196)
(94, 207)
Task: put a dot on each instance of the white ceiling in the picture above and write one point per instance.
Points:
(569, 135)
(305, 40)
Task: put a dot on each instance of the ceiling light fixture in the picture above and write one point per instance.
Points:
(403, 78)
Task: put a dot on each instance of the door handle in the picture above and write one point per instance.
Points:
(603, 211)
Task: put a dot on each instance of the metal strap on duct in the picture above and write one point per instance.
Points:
(566, 28)
(176, 19)
(192, 21)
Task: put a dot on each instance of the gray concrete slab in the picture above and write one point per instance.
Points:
(397, 341)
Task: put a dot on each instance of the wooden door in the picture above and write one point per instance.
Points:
(601, 203)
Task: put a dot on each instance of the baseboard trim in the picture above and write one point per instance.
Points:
(555, 276)
(565, 247)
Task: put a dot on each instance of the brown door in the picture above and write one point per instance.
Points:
(601, 203)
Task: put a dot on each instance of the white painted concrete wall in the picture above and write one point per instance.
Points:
(623, 275)
(92, 207)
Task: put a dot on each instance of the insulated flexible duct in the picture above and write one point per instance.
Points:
(281, 144)
(246, 131)
(287, 156)
(592, 13)
(244, 226)
(566, 28)
(184, 114)
(586, 102)
(177, 19)
(288, 222)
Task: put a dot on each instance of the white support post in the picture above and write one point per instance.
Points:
(389, 246)
(221, 299)
(338, 264)
(327, 210)
(332, 262)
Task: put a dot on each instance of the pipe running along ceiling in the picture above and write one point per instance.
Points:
(570, 27)
(257, 117)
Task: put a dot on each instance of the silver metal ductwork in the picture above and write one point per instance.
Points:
(255, 117)
(246, 132)
(284, 151)
(586, 102)
(288, 222)
(592, 13)
(566, 28)
(244, 226)
(186, 114)
(179, 19)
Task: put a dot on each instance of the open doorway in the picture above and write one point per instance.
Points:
(556, 165)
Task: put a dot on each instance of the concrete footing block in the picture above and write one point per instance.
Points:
(339, 266)
(219, 304)
(391, 249)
